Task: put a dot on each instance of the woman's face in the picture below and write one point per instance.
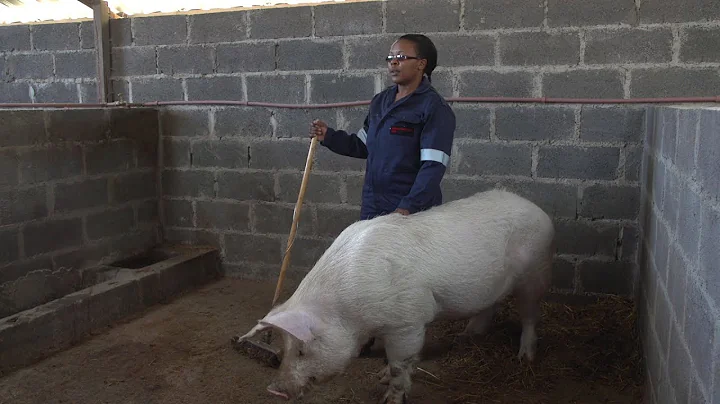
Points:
(407, 70)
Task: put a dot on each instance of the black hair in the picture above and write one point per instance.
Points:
(425, 49)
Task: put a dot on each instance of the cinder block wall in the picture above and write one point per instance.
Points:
(680, 227)
(77, 188)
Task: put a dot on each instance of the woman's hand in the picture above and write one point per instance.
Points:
(401, 211)
(318, 129)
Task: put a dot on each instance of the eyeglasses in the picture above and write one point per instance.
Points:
(399, 58)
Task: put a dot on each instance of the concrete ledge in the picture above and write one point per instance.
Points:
(34, 334)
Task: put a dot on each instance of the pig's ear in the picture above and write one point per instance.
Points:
(299, 324)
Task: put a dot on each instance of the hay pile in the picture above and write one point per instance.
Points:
(586, 353)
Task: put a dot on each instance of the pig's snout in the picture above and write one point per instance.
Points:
(284, 390)
(273, 390)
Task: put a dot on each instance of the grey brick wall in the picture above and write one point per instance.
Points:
(78, 189)
(679, 297)
(553, 48)
(233, 186)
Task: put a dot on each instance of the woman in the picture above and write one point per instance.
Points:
(406, 138)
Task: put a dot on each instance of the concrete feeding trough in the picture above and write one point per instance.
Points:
(113, 293)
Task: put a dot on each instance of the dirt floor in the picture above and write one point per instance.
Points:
(181, 353)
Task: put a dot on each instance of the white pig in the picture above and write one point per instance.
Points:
(389, 277)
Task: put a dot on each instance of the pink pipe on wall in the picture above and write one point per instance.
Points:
(538, 100)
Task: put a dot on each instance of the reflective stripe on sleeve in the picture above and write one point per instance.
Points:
(434, 155)
(362, 135)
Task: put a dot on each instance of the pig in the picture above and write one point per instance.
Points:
(389, 277)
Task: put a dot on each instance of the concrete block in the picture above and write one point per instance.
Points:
(369, 52)
(218, 27)
(165, 30)
(679, 365)
(282, 154)
(216, 88)
(9, 168)
(674, 82)
(252, 248)
(677, 283)
(534, 123)
(87, 35)
(135, 61)
(309, 54)
(110, 223)
(81, 194)
(488, 14)
(223, 215)
(584, 84)
(51, 235)
(256, 186)
(493, 159)
(306, 252)
(291, 22)
(188, 183)
(120, 32)
(357, 19)
(602, 124)
(226, 153)
(120, 90)
(30, 66)
(89, 92)
(15, 92)
(472, 122)
(140, 124)
(628, 45)
(75, 65)
(685, 146)
(55, 92)
(176, 152)
(557, 200)
(288, 88)
(178, 213)
(185, 60)
(15, 38)
(354, 185)
(700, 326)
(689, 221)
(586, 238)
(10, 240)
(53, 163)
(660, 252)
(296, 122)
(272, 218)
(587, 163)
(700, 45)
(563, 274)
(78, 125)
(57, 36)
(663, 319)
(710, 252)
(478, 50)
(245, 57)
(185, 122)
(242, 121)
(109, 157)
(22, 128)
(20, 268)
(193, 237)
(633, 156)
(671, 201)
(602, 12)
(659, 11)
(150, 89)
(495, 84)
(696, 394)
(612, 277)
(21, 205)
(329, 88)
(320, 188)
(332, 221)
(708, 171)
(3, 69)
(610, 202)
(442, 81)
(533, 48)
(423, 16)
(134, 186)
(147, 212)
(457, 188)
(630, 242)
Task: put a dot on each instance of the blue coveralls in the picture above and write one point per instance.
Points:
(407, 145)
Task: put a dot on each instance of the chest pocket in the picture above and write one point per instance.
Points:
(405, 123)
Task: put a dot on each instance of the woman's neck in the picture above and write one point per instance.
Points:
(406, 89)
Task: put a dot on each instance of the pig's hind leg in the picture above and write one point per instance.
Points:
(529, 294)
(402, 348)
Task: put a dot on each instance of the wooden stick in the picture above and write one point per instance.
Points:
(296, 217)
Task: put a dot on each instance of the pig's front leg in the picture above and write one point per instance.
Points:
(402, 348)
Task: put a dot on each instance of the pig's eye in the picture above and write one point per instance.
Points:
(300, 352)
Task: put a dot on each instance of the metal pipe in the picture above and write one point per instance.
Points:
(539, 100)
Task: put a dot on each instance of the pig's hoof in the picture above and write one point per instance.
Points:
(394, 397)
(527, 350)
